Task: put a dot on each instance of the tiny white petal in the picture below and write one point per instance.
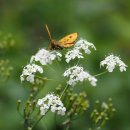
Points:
(30, 78)
(39, 102)
(122, 68)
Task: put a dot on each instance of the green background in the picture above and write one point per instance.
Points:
(106, 23)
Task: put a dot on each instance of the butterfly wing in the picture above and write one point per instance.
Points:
(68, 40)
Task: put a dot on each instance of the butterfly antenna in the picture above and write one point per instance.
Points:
(48, 32)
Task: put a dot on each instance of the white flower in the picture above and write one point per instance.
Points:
(40, 101)
(84, 45)
(57, 54)
(72, 54)
(45, 56)
(61, 111)
(29, 71)
(76, 74)
(52, 102)
(112, 61)
(30, 78)
(53, 108)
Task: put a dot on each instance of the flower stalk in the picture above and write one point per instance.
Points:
(65, 101)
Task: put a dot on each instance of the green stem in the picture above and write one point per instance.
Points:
(100, 73)
(37, 121)
(58, 64)
(67, 127)
(78, 62)
(64, 91)
(55, 121)
(51, 68)
(46, 78)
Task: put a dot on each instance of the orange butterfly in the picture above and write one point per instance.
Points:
(65, 42)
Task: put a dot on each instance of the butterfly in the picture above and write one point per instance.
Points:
(65, 42)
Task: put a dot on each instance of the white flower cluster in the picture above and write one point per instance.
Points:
(112, 61)
(57, 54)
(45, 57)
(52, 102)
(72, 54)
(79, 46)
(84, 45)
(76, 74)
(29, 71)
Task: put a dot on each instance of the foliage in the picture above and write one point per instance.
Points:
(6, 42)
(66, 102)
(105, 23)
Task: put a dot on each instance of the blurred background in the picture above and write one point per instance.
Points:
(106, 23)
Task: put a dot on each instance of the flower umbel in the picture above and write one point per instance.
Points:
(77, 73)
(52, 102)
(112, 61)
(45, 57)
(72, 54)
(29, 71)
(84, 45)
